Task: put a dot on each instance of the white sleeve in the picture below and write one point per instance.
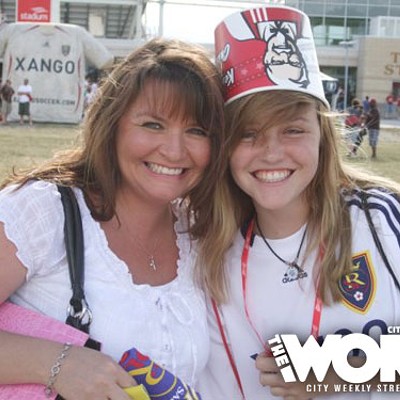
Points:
(217, 381)
(385, 213)
(33, 220)
(95, 52)
(4, 36)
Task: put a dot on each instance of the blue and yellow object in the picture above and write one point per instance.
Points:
(159, 383)
(138, 392)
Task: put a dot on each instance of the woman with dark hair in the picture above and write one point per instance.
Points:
(147, 163)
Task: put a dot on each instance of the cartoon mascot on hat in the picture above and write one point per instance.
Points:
(266, 47)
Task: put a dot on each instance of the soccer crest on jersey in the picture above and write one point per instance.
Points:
(358, 287)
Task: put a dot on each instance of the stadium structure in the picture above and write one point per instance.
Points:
(358, 41)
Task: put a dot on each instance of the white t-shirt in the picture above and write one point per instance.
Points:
(277, 306)
(168, 323)
(24, 98)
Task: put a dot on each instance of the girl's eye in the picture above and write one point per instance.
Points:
(199, 132)
(152, 125)
(249, 136)
(294, 131)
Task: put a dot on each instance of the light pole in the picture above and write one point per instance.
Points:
(346, 44)
(161, 19)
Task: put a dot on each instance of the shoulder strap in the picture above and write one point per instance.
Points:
(378, 243)
(79, 315)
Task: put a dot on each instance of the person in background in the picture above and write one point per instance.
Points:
(365, 104)
(6, 93)
(373, 124)
(291, 249)
(1, 84)
(148, 163)
(398, 107)
(353, 126)
(390, 105)
(89, 97)
(340, 99)
(24, 101)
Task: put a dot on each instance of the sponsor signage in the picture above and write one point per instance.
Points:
(33, 11)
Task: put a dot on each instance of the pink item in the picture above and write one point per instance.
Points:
(20, 320)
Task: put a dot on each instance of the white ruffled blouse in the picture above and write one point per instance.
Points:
(168, 322)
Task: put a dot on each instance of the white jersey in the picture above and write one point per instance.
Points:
(53, 57)
(279, 304)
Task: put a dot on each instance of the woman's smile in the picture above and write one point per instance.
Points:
(163, 170)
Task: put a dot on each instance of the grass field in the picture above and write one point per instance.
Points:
(24, 146)
(387, 163)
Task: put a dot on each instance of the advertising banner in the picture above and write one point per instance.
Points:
(53, 58)
(33, 11)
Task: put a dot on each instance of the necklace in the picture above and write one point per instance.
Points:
(316, 318)
(142, 245)
(150, 255)
(293, 263)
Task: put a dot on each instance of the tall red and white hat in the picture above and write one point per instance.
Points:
(268, 48)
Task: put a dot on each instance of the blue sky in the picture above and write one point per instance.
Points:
(193, 22)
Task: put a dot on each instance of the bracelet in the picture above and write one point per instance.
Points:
(55, 370)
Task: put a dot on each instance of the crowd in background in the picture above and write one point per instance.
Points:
(24, 98)
(362, 119)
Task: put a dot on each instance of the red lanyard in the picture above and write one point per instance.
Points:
(244, 267)
(316, 319)
(227, 347)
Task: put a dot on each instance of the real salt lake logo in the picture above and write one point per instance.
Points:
(296, 361)
(358, 287)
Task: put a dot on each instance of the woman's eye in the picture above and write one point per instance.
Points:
(152, 125)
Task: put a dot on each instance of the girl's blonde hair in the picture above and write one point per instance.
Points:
(329, 223)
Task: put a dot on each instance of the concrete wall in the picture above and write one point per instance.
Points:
(378, 66)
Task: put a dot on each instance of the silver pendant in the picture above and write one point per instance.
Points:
(152, 263)
(294, 273)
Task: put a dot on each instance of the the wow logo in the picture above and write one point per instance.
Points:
(296, 361)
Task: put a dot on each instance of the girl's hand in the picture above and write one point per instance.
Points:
(271, 376)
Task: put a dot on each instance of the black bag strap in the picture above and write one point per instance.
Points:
(378, 243)
(79, 313)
